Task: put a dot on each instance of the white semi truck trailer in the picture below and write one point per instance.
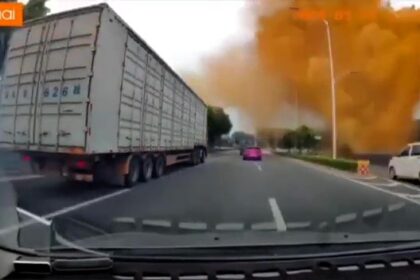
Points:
(83, 94)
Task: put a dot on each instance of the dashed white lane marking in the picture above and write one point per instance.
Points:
(345, 218)
(159, 223)
(20, 178)
(277, 215)
(258, 166)
(34, 216)
(396, 206)
(268, 274)
(230, 226)
(372, 212)
(191, 277)
(263, 226)
(193, 226)
(341, 176)
(128, 220)
(298, 225)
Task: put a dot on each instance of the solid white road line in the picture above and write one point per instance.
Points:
(20, 178)
(278, 217)
(399, 195)
(34, 217)
(371, 177)
(258, 166)
(389, 185)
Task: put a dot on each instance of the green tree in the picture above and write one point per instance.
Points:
(301, 138)
(306, 137)
(36, 9)
(241, 137)
(33, 9)
(218, 123)
(289, 140)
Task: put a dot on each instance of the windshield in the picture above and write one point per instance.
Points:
(164, 124)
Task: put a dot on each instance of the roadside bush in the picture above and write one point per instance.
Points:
(342, 164)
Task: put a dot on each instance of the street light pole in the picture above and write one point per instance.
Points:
(333, 100)
(297, 116)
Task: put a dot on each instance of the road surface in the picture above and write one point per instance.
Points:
(226, 193)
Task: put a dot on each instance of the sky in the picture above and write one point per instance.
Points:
(193, 29)
(180, 31)
(183, 32)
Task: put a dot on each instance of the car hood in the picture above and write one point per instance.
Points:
(148, 240)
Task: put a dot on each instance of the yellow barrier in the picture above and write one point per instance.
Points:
(363, 167)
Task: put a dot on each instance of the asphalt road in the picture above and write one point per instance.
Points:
(225, 193)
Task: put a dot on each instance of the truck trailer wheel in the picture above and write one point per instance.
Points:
(158, 166)
(146, 169)
(133, 173)
(202, 154)
(195, 157)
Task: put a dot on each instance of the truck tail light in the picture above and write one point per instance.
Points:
(81, 164)
(26, 158)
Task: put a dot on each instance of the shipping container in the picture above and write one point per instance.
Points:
(82, 86)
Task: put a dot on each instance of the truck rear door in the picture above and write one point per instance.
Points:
(46, 88)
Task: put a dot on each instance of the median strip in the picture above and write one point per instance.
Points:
(341, 164)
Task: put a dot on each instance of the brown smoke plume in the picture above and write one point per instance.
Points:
(377, 66)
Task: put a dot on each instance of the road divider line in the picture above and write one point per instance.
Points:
(258, 166)
(407, 186)
(277, 215)
(157, 223)
(230, 226)
(396, 206)
(298, 225)
(34, 216)
(372, 177)
(263, 226)
(20, 178)
(399, 195)
(192, 225)
(372, 212)
(345, 218)
(388, 185)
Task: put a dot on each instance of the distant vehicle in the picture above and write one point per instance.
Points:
(252, 153)
(92, 100)
(406, 164)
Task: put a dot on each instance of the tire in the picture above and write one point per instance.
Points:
(392, 173)
(133, 175)
(195, 157)
(146, 169)
(202, 154)
(158, 166)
